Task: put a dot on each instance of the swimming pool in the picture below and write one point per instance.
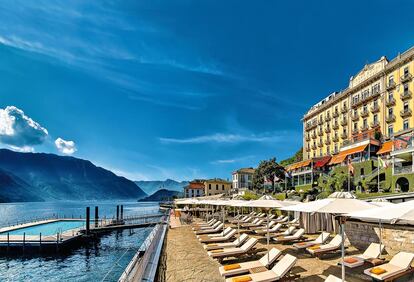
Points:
(46, 229)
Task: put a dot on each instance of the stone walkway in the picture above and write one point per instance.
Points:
(186, 258)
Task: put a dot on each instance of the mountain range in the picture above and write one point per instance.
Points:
(150, 187)
(45, 177)
(161, 195)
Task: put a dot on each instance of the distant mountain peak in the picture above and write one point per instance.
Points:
(152, 186)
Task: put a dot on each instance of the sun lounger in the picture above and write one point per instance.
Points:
(319, 250)
(218, 238)
(241, 219)
(245, 267)
(264, 226)
(318, 241)
(332, 278)
(207, 227)
(210, 231)
(204, 224)
(283, 220)
(278, 272)
(236, 243)
(287, 232)
(294, 221)
(234, 252)
(253, 224)
(372, 252)
(290, 238)
(221, 234)
(280, 217)
(274, 229)
(398, 266)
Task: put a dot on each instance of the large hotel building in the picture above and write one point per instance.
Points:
(372, 117)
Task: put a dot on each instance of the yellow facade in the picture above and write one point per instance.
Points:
(217, 186)
(379, 98)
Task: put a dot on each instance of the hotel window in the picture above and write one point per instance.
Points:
(405, 107)
(390, 130)
(320, 152)
(365, 108)
(406, 124)
(355, 112)
(375, 119)
(375, 103)
(355, 99)
(405, 87)
(365, 94)
(390, 111)
(391, 80)
(336, 148)
(355, 126)
(376, 88)
(328, 151)
(406, 71)
(390, 96)
(365, 123)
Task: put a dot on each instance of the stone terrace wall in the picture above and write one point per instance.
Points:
(395, 238)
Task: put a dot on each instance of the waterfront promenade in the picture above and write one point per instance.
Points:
(188, 261)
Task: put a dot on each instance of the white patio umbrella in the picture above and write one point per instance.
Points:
(335, 206)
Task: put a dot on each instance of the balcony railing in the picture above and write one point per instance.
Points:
(344, 122)
(355, 131)
(403, 169)
(355, 116)
(335, 126)
(327, 129)
(390, 102)
(327, 118)
(308, 149)
(390, 118)
(327, 142)
(335, 114)
(364, 113)
(320, 132)
(320, 122)
(320, 144)
(314, 147)
(406, 95)
(391, 85)
(311, 125)
(406, 77)
(405, 113)
(374, 124)
(335, 138)
(313, 135)
(307, 138)
(375, 108)
(364, 128)
(344, 110)
(344, 135)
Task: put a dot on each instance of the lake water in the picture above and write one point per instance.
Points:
(111, 253)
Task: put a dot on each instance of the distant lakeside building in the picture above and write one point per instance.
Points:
(194, 189)
(208, 187)
(372, 117)
(243, 179)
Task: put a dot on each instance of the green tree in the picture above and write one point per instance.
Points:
(267, 169)
(295, 158)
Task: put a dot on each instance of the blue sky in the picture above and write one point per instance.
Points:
(181, 89)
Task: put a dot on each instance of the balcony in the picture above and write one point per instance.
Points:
(335, 126)
(375, 108)
(308, 149)
(335, 114)
(320, 144)
(328, 118)
(344, 122)
(390, 118)
(314, 147)
(344, 110)
(374, 124)
(405, 113)
(355, 131)
(364, 113)
(406, 95)
(335, 138)
(405, 77)
(327, 129)
(313, 135)
(307, 138)
(344, 135)
(391, 85)
(320, 133)
(364, 128)
(327, 142)
(355, 117)
(390, 102)
(320, 122)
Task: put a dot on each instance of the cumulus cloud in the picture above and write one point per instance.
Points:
(65, 147)
(223, 138)
(17, 130)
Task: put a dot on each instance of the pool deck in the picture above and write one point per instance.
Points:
(188, 261)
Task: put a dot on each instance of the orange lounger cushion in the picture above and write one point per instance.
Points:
(231, 266)
(317, 247)
(302, 243)
(377, 270)
(242, 279)
(212, 245)
(217, 251)
(350, 260)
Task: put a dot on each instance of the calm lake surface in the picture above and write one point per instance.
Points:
(111, 253)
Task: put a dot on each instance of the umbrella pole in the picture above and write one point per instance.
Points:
(267, 236)
(223, 220)
(380, 235)
(342, 221)
(238, 223)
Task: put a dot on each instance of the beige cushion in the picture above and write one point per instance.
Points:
(270, 257)
(402, 259)
(373, 251)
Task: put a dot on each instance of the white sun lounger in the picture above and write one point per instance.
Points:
(253, 224)
(289, 238)
(264, 226)
(372, 252)
(283, 220)
(274, 229)
(287, 232)
(234, 252)
(294, 221)
(207, 227)
(332, 278)
(221, 234)
(322, 238)
(319, 250)
(244, 267)
(212, 230)
(279, 271)
(205, 224)
(234, 244)
(398, 266)
(218, 239)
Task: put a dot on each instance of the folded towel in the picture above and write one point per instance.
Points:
(317, 247)
(231, 266)
(217, 251)
(242, 279)
(350, 260)
(377, 270)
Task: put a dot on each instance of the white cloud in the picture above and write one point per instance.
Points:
(24, 149)
(19, 130)
(65, 147)
(224, 138)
